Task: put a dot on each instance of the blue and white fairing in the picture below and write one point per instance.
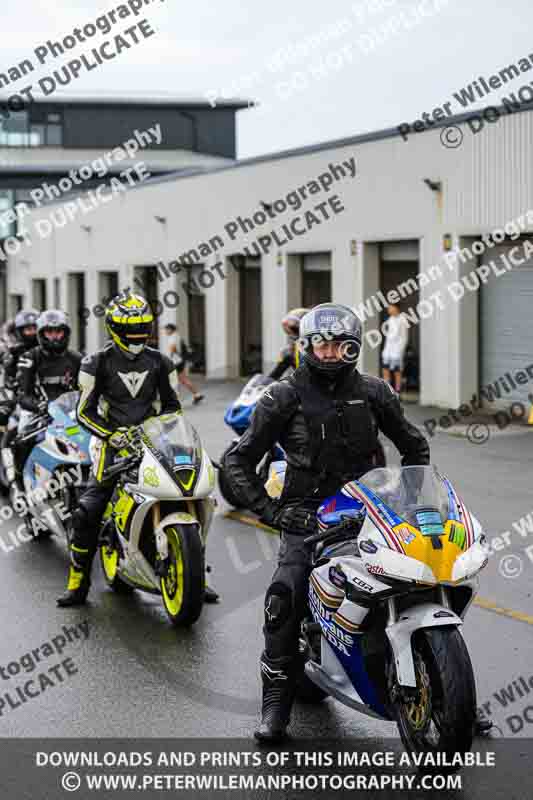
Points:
(64, 442)
(339, 620)
(239, 413)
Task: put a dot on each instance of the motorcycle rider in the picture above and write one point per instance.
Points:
(7, 337)
(24, 333)
(44, 373)
(289, 356)
(121, 384)
(326, 416)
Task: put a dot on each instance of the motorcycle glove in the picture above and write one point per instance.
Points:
(297, 519)
(121, 438)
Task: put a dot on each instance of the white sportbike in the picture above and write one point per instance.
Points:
(155, 526)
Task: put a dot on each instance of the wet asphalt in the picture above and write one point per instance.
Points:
(135, 676)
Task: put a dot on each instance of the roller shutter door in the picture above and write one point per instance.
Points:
(506, 328)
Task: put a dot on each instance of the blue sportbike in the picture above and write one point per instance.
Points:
(238, 417)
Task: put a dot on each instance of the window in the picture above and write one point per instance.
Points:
(34, 128)
(39, 298)
(15, 301)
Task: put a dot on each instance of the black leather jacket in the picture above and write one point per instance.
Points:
(333, 442)
(41, 376)
(120, 392)
(10, 360)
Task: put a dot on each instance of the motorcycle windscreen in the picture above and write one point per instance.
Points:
(64, 404)
(409, 490)
(420, 513)
(179, 445)
(75, 439)
(252, 389)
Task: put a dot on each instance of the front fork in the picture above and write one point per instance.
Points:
(407, 692)
(162, 562)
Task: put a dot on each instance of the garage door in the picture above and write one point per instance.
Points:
(506, 329)
(316, 279)
(250, 317)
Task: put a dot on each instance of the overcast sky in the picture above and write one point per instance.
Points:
(373, 72)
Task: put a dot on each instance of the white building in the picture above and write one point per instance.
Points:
(408, 204)
(43, 143)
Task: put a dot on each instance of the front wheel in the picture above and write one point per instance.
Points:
(442, 718)
(183, 585)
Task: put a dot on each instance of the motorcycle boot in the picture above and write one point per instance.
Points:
(279, 677)
(79, 579)
(210, 595)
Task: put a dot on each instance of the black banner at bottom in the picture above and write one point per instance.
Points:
(53, 769)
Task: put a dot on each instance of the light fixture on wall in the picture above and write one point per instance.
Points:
(161, 220)
(353, 247)
(447, 242)
(435, 186)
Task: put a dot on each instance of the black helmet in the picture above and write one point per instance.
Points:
(53, 320)
(291, 321)
(26, 319)
(331, 322)
(129, 321)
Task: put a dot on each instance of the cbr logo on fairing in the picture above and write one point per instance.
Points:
(358, 582)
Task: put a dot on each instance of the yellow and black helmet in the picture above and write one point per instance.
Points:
(129, 320)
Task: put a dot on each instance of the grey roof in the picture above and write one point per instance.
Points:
(362, 138)
(64, 169)
(132, 99)
(374, 136)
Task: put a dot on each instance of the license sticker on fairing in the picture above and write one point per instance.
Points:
(429, 523)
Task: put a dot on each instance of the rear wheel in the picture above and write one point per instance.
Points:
(443, 716)
(183, 585)
(109, 558)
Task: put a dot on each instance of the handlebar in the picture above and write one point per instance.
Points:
(121, 464)
(346, 526)
(38, 425)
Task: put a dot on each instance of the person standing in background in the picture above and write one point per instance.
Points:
(178, 352)
(396, 336)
